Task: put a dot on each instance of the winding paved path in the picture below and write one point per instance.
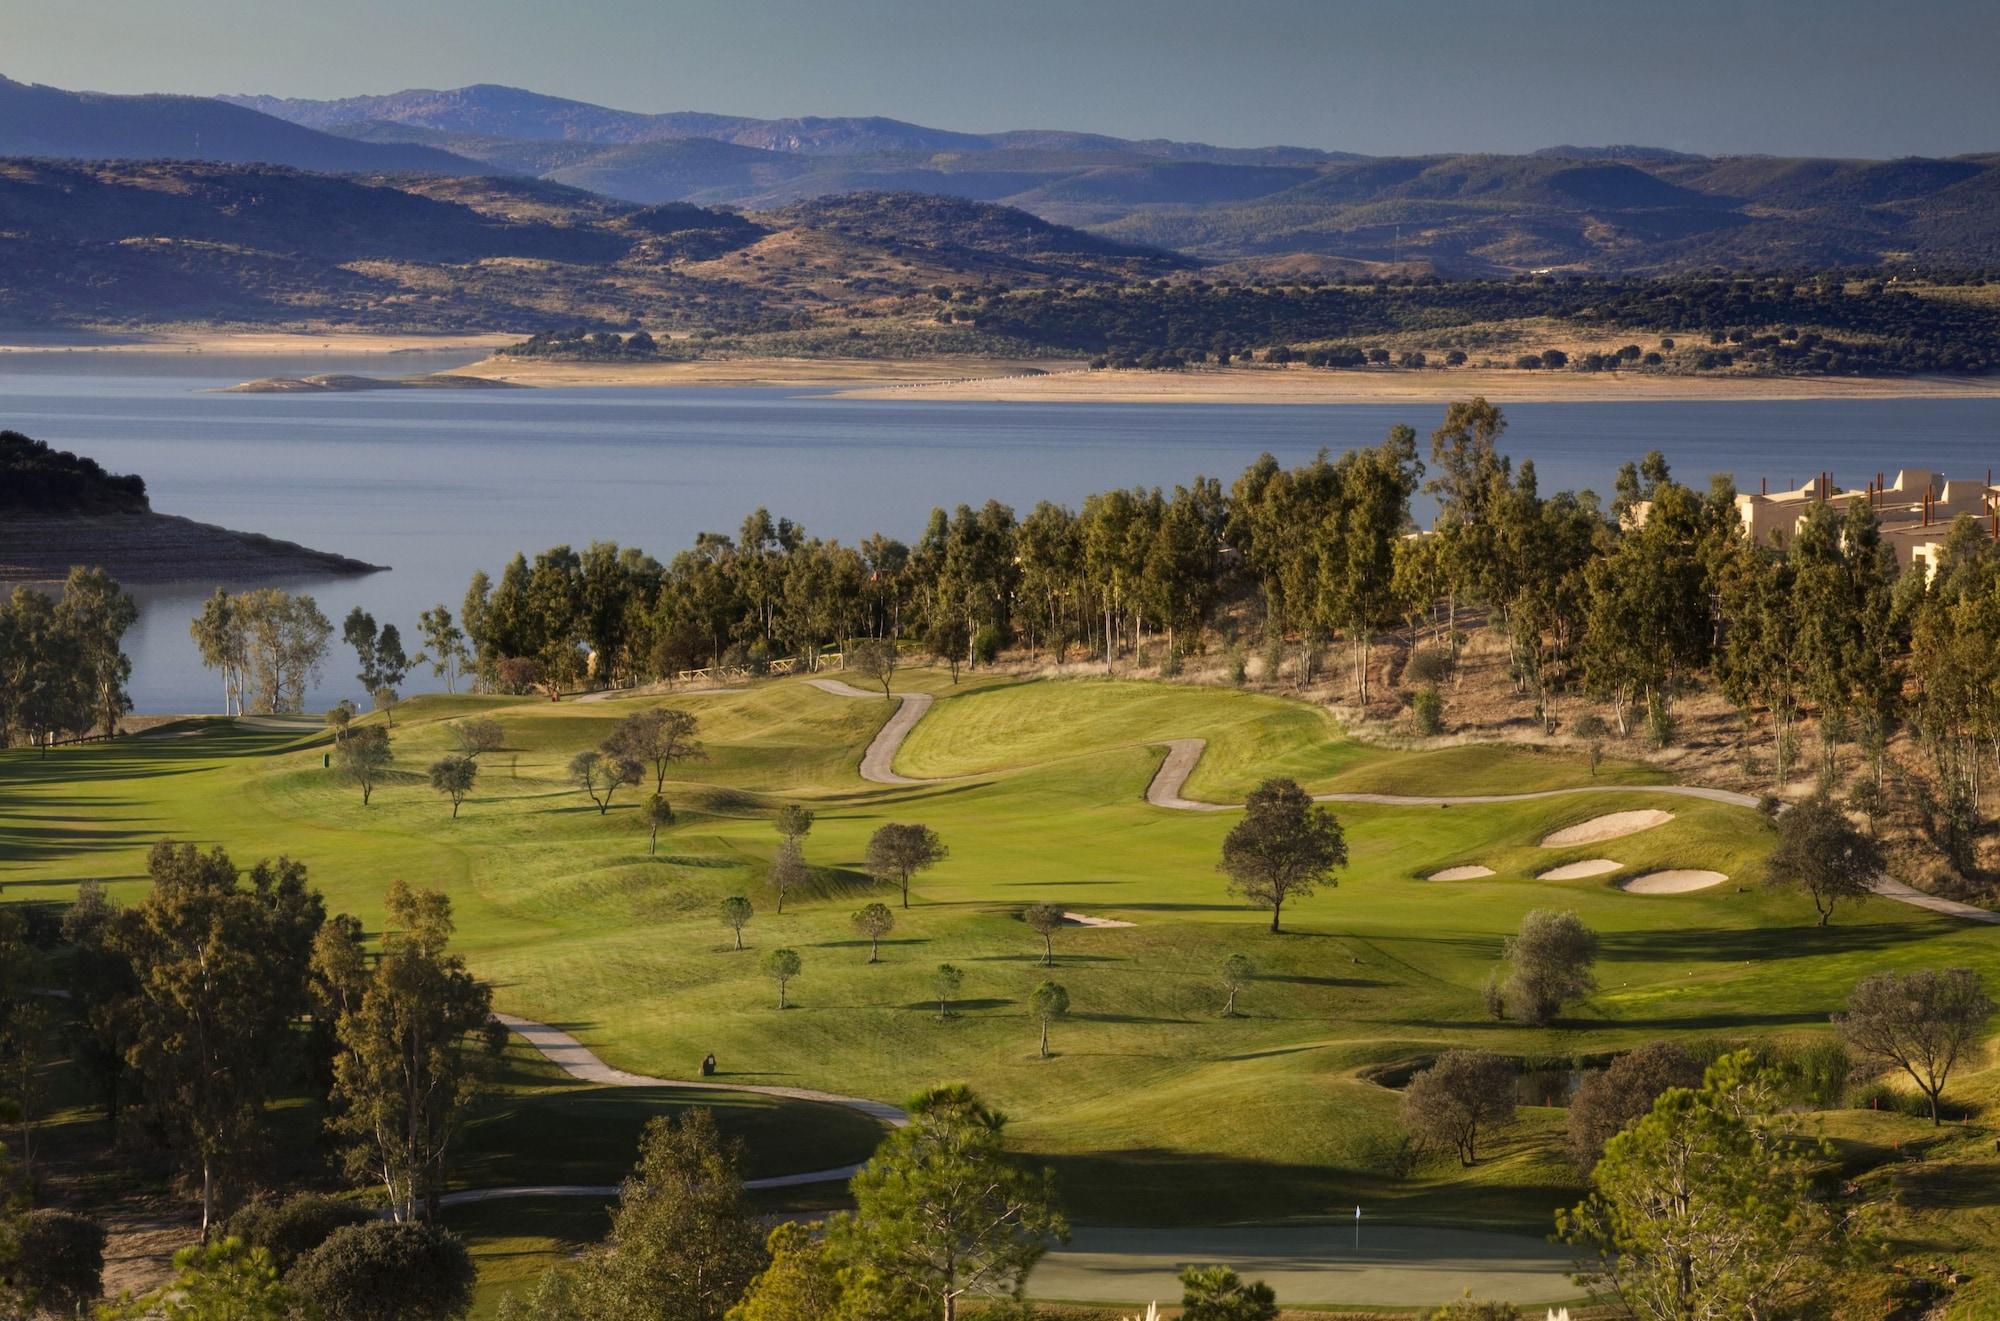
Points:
(877, 763)
(580, 1062)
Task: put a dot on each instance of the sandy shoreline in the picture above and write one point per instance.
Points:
(891, 374)
(247, 343)
(1260, 385)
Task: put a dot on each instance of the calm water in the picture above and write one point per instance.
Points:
(440, 484)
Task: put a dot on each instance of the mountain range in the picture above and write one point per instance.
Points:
(1283, 209)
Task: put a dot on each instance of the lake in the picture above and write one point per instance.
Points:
(438, 484)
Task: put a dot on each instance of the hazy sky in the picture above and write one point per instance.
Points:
(1832, 77)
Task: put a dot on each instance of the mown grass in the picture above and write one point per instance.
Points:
(1154, 1108)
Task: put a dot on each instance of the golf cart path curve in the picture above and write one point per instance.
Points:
(877, 761)
(580, 1062)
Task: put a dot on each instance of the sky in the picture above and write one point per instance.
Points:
(1821, 77)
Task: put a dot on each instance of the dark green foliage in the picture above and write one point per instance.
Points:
(387, 1272)
(36, 479)
(1216, 1293)
(60, 1258)
(289, 1229)
(1427, 711)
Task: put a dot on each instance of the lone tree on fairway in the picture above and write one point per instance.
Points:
(736, 915)
(659, 812)
(600, 776)
(793, 822)
(478, 734)
(781, 965)
(788, 871)
(1282, 848)
(339, 718)
(898, 852)
(946, 981)
(1920, 1023)
(1048, 1003)
(1045, 920)
(661, 738)
(1237, 972)
(1466, 1093)
(1706, 1208)
(1217, 1293)
(873, 921)
(1550, 960)
(362, 758)
(454, 777)
(1821, 853)
(941, 1212)
(874, 660)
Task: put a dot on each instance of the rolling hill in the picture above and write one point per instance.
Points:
(48, 121)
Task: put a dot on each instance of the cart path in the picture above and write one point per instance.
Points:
(877, 762)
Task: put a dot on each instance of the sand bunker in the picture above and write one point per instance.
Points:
(1471, 873)
(1672, 882)
(1086, 920)
(1600, 828)
(1576, 871)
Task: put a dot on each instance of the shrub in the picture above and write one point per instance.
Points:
(986, 645)
(387, 1272)
(1469, 1308)
(1274, 659)
(290, 1229)
(1427, 711)
(1216, 1293)
(1588, 725)
(61, 1260)
(1426, 665)
(1170, 665)
(1660, 722)
(1239, 670)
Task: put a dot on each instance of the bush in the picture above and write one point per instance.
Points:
(1170, 666)
(386, 1272)
(1660, 722)
(1274, 659)
(1427, 711)
(61, 1260)
(1588, 725)
(1816, 1070)
(986, 645)
(1427, 665)
(290, 1229)
(1239, 670)
(1216, 1293)
(1469, 1308)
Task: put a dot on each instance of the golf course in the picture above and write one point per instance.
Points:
(1250, 1138)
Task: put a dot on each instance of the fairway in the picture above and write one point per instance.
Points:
(1154, 1109)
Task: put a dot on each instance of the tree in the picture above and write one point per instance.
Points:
(220, 975)
(793, 822)
(1551, 959)
(683, 1246)
(60, 1260)
(736, 916)
(413, 1054)
(96, 613)
(1706, 1207)
(382, 663)
(1045, 920)
(898, 852)
(873, 659)
(1821, 853)
(873, 921)
(1606, 1101)
(659, 813)
(1236, 973)
(385, 1271)
(1920, 1023)
(477, 734)
(788, 871)
(339, 717)
(1217, 1293)
(1048, 1003)
(25, 1060)
(220, 636)
(802, 1283)
(361, 759)
(1465, 1094)
(941, 1212)
(661, 737)
(223, 1281)
(1283, 848)
(454, 777)
(781, 965)
(288, 1230)
(946, 982)
(444, 646)
(600, 776)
